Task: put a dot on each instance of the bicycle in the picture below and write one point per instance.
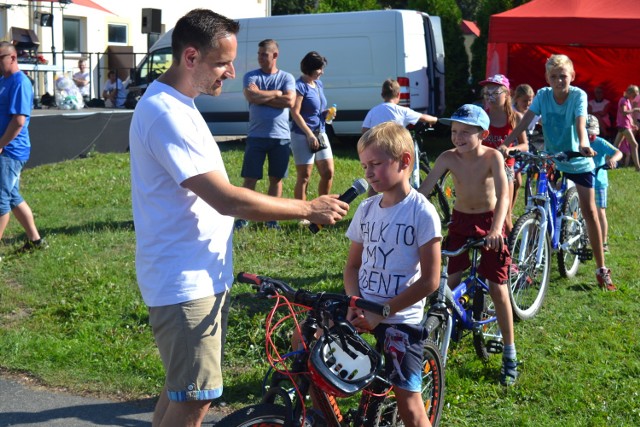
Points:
(552, 222)
(443, 194)
(338, 364)
(467, 308)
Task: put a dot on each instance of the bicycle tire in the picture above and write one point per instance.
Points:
(263, 414)
(384, 412)
(442, 196)
(485, 335)
(527, 284)
(569, 260)
(438, 332)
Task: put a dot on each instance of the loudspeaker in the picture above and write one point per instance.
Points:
(46, 20)
(151, 21)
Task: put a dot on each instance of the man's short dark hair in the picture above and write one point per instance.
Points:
(268, 43)
(201, 29)
(311, 62)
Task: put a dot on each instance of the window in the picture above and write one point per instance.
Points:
(71, 33)
(117, 34)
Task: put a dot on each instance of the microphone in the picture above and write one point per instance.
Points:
(359, 187)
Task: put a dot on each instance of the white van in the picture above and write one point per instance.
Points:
(362, 49)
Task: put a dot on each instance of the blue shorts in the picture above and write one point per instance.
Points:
(601, 197)
(10, 183)
(584, 179)
(257, 150)
(402, 345)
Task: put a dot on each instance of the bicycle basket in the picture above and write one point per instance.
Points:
(341, 363)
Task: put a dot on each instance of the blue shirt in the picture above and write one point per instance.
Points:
(559, 126)
(603, 149)
(313, 105)
(16, 98)
(266, 121)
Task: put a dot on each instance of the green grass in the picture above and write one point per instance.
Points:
(72, 316)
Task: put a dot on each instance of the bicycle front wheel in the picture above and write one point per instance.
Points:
(528, 281)
(264, 414)
(487, 337)
(569, 258)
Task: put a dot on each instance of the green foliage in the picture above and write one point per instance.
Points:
(71, 316)
(325, 6)
(485, 9)
(456, 59)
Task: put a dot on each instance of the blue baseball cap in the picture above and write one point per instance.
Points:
(469, 114)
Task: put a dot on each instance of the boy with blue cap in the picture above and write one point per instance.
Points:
(482, 201)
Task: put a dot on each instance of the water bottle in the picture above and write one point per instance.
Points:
(331, 114)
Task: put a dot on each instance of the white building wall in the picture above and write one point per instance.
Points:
(94, 24)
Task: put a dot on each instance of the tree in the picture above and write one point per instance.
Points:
(456, 62)
(479, 46)
(346, 5)
(293, 7)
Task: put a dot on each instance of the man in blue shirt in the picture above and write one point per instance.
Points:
(270, 93)
(16, 101)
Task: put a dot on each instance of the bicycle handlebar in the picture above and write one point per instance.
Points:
(270, 287)
(471, 243)
(563, 156)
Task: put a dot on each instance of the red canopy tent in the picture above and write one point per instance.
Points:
(602, 38)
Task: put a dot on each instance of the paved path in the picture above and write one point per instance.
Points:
(25, 405)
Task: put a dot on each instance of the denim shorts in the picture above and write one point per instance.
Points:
(584, 179)
(257, 150)
(10, 183)
(302, 155)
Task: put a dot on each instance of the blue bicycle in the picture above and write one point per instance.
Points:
(466, 308)
(552, 222)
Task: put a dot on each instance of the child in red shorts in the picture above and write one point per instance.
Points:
(482, 202)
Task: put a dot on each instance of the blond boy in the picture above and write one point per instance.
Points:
(564, 114)
(482, 201)
(394, 258)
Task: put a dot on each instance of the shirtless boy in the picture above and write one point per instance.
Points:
(482, 201)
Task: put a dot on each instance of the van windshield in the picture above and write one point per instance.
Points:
(157, 63)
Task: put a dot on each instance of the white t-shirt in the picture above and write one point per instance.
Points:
(86, 89)
(391, 239)
(390, 112)
(183, 245)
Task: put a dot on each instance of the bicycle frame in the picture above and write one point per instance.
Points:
(548, 202)
(456, 304)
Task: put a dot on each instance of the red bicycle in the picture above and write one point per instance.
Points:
(338, 364)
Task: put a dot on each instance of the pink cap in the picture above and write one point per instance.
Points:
(498, 79)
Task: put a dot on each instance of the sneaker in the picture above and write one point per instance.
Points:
(32, 245)
(304, 223)
(273, 225)
(509, 372)
(605, 248)
(239, 224)
(604, 279)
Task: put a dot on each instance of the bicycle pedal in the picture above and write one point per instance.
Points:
(584, 254)
(495, 346)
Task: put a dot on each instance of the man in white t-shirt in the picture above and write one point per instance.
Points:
(82, 79)
(183, 209)
(390, 111)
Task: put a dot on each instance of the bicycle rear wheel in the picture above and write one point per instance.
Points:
(263, 414)
(528, 284)
(569, 258)
(443, 194)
